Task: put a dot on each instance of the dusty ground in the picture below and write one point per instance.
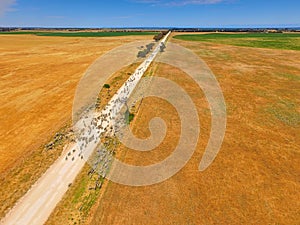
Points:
(38, 80)
(254, 179)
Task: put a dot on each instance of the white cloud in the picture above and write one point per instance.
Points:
(5, 6)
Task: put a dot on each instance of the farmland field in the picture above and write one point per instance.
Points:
(254, 179)
(39, 76)
(80, 34)
(288, 41)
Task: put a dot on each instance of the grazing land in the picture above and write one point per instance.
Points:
(81, 195)
(79, 34)
(288, 41)
(255, 177)
(39, 76)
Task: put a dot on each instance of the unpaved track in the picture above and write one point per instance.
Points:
(38, 203)
(36, 206)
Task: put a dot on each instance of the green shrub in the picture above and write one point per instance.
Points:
(106, 86)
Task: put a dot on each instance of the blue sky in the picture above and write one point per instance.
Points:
(149, 13)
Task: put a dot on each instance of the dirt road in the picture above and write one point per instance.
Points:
(36, 206)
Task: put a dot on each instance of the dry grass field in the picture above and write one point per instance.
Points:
(255, 177)
(38, 80)
(39, 76)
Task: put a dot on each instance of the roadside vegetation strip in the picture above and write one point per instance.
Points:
(78, 202)
(80, 34)
(287, 41)
(26, 173)
(69, 169)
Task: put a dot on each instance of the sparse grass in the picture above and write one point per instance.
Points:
(130, 118)
(24, 156)
(113, 85)
(287, 41)
(80, 189)
(32, 111)
(26, 177)
(76, 205)
(116, 79)
(214, 53)
(285, 111)
(80, 34)
(259, 172)
(28, 171)
(289, 76)
(255, 174)
(260, 93)
(56, 141)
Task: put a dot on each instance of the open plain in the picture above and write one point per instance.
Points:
(255, 177)
(39, 76)
(150, 112)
